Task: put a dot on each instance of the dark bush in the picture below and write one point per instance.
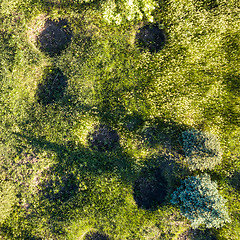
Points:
(55, 37)
(150, 189)
(151, 37)
(96, 235)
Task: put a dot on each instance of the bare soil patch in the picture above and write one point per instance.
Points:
(151, 37)
(104, 138)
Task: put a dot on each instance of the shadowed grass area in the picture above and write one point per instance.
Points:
(60, 185)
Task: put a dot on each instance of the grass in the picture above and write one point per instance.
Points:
(149, 99)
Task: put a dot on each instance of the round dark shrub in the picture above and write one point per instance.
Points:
(103, 138)
(55, 37)
(52, 87)
(151, 37)
(96, 235)
(150, 190)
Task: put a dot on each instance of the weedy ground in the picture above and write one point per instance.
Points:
(53, 184)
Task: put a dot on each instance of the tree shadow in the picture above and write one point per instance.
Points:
(7, 49)
(232, 82)
(59, 189)
(53, 86)
(196, 234)
(208, 4)
(164, 132)
(47, 5)
(235, 180)
(111, 108)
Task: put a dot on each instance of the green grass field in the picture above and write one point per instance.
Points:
(53, 184)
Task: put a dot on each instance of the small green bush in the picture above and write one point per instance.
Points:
(202, 149)
(200, 202)
(120, 11)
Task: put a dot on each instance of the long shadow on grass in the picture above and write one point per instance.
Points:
(163, 131)
(47, 5)
(61, 188)
(71, 156)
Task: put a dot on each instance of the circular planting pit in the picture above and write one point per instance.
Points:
(104, 139)
(54, 37)
(150, 191)
(96, 235)
(151, 37)
(52, 88)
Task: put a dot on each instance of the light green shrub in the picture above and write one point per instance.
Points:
(202, 149)
(201, 203)
(120, 11)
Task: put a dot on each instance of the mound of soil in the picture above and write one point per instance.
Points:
(53, 86)
(92, 235)
(151, 37)
(104, 139)
(55, 37)
(150, 191)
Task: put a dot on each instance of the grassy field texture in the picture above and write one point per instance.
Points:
(53, 184)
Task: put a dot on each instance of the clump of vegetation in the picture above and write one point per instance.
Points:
(201, 203)
(95, 235)
(151, 37)
(104, 138)
(202, 149)
(118, 12)
(54, 37)
(52, 87)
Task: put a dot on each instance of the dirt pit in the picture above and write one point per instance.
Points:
(104, 139)
(95, 235)
(54, 37)
(53, 86)
(151, 37)
(150, 190)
